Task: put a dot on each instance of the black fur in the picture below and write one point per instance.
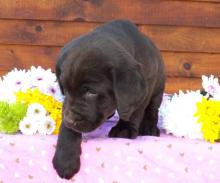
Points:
(113, 67)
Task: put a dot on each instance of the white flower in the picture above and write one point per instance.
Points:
(40, 76)
(211, 85)
(1, 82)
(178, 117)
(27, 126)
(53, 90)
(163, 109)
(46, 126)
(36, 110)
(16, 80)
(21, 80)
(6, 94)
(216, 96)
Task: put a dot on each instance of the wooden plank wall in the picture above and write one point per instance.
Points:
(186, 31)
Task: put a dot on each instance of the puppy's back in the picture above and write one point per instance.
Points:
(121, 31)
(119, 35)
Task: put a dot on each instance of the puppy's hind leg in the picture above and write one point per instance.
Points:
(149, 123)
(129, 129)
(124, 129)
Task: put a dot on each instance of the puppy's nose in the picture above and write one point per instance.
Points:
(68, 120)
(77, 114)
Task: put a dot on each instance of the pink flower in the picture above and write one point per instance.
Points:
(210, 85)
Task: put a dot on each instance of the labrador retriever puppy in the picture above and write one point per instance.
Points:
(113, 67)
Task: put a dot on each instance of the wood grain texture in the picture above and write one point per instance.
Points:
(191, 64)
(143, 12)
(25, 56)
(47, 33)
(174, 84)
(187, 39)
(212, 1)
(55, 33)
(177, 64)
(3, 72)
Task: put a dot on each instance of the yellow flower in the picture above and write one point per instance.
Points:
(53, 107)
(208, 112)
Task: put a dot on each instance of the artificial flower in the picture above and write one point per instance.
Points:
(40, 77)
(12, 82)
(53, 90)
(211, 85)
(52, 106)
(36, 88)
(57, 117)
(46, 126)
(7, 95)
(178, 117)
(28, 126)
(208, 112)
(163, 109)
(216, 96)
(36, 110)
(16, 80)
(10, 116)
(21, 80)
(1, 83)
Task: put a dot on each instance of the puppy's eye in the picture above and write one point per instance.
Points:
(90, 94)
(87, 92)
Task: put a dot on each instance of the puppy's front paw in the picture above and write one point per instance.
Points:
(66, 167)
(123, 130)
(149, 130)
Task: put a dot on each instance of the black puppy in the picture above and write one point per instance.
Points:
(113, 67)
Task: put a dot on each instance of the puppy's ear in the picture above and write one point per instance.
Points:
(129, 86)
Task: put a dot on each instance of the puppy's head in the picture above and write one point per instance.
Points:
(95, 85)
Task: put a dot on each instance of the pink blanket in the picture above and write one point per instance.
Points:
(27, 159)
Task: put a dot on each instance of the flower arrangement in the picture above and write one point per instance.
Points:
(30, 102)
(194, 114)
